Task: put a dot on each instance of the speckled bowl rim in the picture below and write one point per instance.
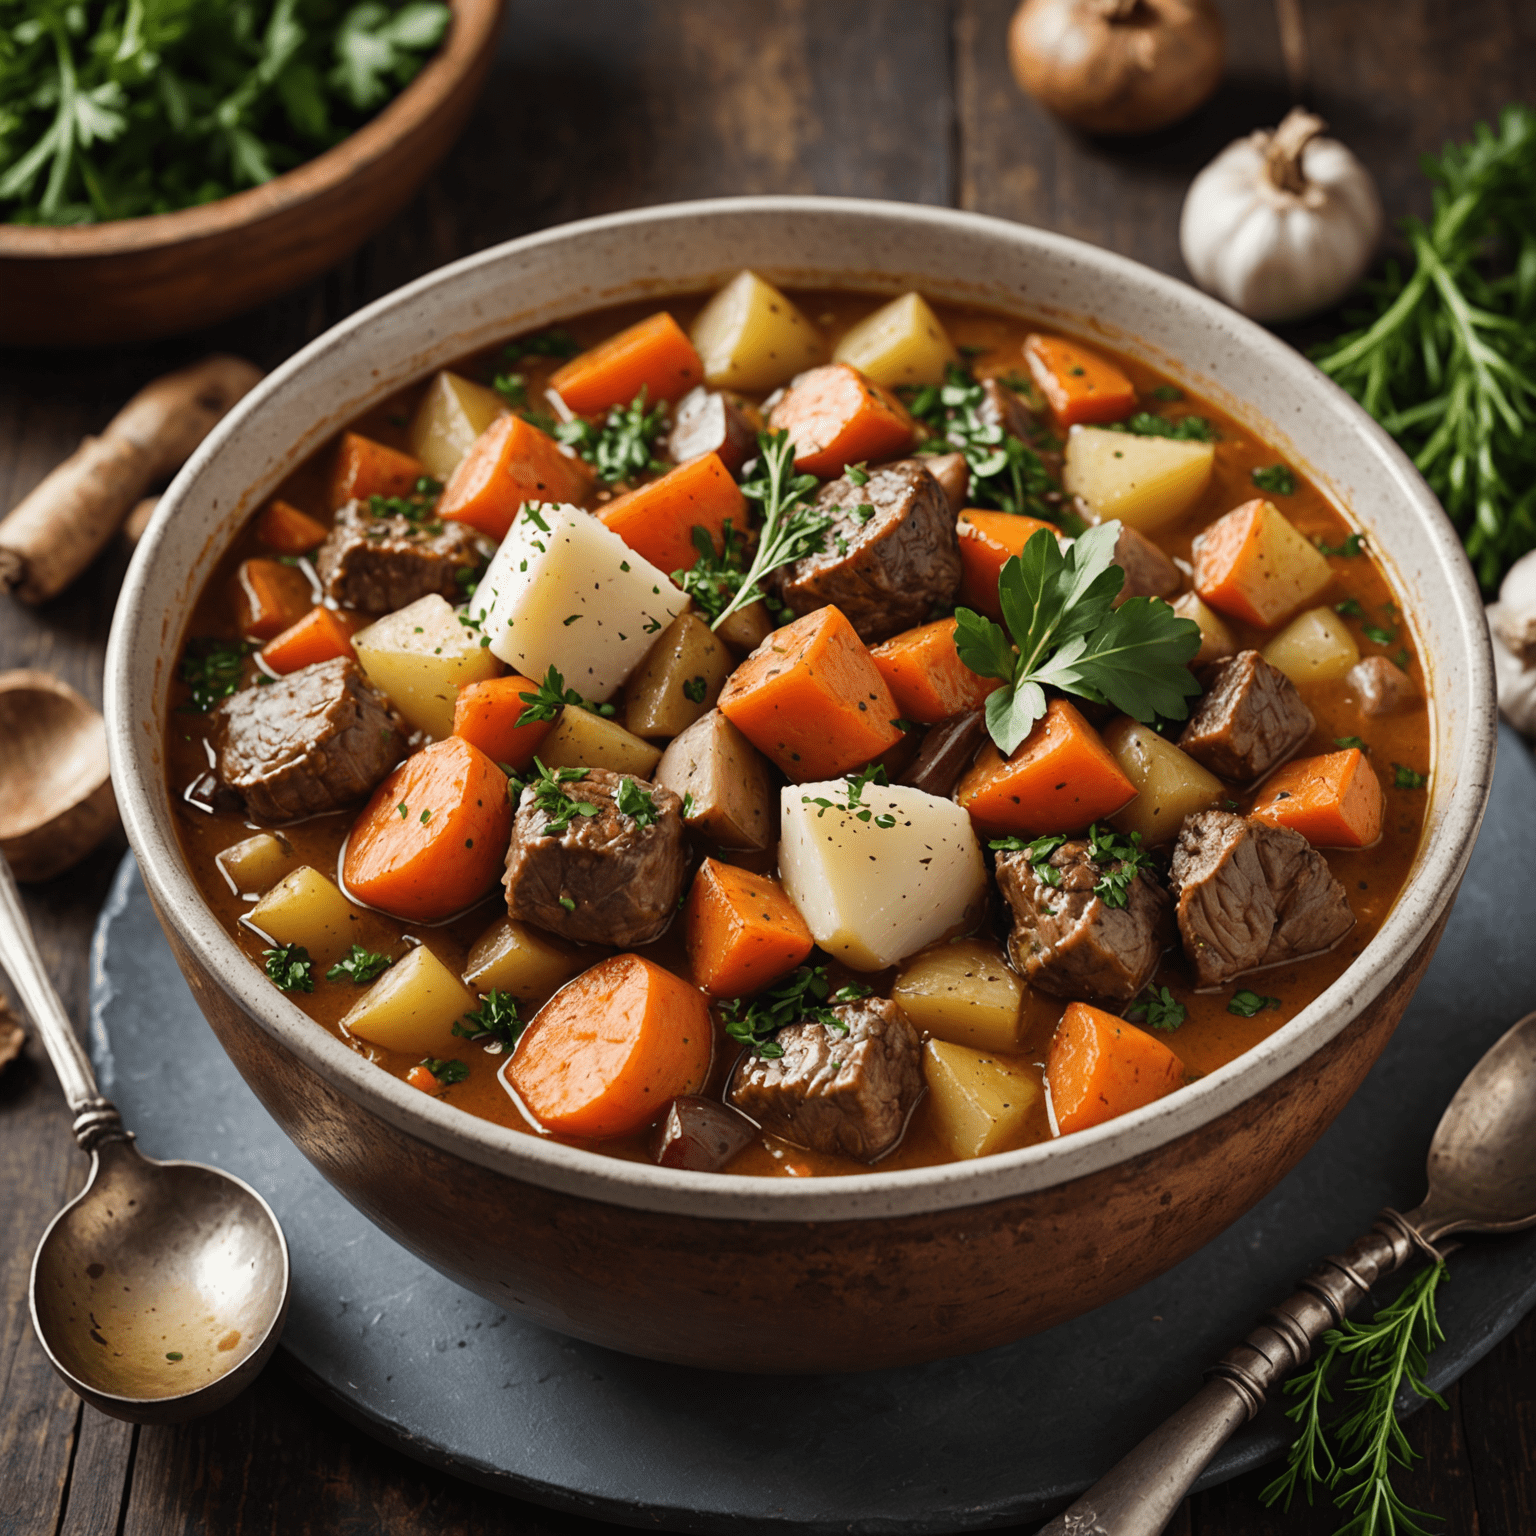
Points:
(1423, 556)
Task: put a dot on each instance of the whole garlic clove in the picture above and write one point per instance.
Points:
(1516, 685)
(1513, 617)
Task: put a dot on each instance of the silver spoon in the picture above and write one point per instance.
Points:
(159, 1292)
(1482, 1178)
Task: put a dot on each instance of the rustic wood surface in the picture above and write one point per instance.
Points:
(595, 105)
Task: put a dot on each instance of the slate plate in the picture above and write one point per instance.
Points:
(965, 1444)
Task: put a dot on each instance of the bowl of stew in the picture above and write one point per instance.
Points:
(795, 759)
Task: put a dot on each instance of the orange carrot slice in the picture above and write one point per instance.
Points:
(836, 417)
(510, 463)
(1252, 564)
(421, 1077)
(654, 355)
(321, 635)
(657, 521)
(287, 530)
(486, 715)
(926, 677)
(987, 541)
(743, 932)
(1334, 801)
(365, 468)
(1079, 385)
(269, 596)
(1100, 1066)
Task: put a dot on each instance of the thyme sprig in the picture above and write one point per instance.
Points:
(551, 696)
(715, 578)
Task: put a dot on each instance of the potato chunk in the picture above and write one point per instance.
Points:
(512, 957)
(1146, 482)
(725, 784)
(979, 1103)
(412, 1007)
(452, 414)
(1216, 640)
(1315, 647)
(963, 992)
(257, 864)
(1170, 784)
(679, 680)
(751, 337)
(1253, 564)
(581, 739)
(306, 908)
(901, 343)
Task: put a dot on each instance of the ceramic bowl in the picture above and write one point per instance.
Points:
(840, 1273)
(92, 285)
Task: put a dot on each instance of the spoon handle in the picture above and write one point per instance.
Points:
(1139, 1494)
(96, 1119)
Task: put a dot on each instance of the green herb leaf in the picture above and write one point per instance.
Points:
(446, 1072)
(553, 343)
(290, 968)
(1183, 428)
(801, 997)
(551, 696)
(497, 1018)
(1349, 609)
(212, 669)
(549, 796)
(1352, 546)
(1276, 479)
(1350, 741)
(1119, 860)
(636, 803)
(623, 447)
(715, 577)
(1159, 1009)
(1406, 778)
(694, 690)
(360, 966)
(1246, 1004)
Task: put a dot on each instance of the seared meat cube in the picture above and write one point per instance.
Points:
(1001, 407)
(847, 1090)
(1251, 895)
(714, 421)
(604, 879)
(1250, 719)
(379, 564)
(947, 752)
(1148, 571)
(1072, 943)
(310, 742)
(953, 474)
(700, 1134)
(1382, 687)
(888, 567)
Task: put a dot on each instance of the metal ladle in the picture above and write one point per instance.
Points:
(159, 1292)
(1482, 1178)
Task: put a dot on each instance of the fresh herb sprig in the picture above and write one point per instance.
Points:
(716, 576)
(359, 965)
(1067, 634)
(289, 968)
(639, 805)
(418, 507)
(551, 696)
(549, 796)
(1195, 429)
(801, 997)
(1158, 1008)
(1117, 859)
(1248, 1004)
(497, 1019)
(212, 669)
(446, 1072)
(624, 446)
(854, 805)
(512, 386)
(1275, 479)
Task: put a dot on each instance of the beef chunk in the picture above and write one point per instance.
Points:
(604, 879)
(714, 421)
(700, 1134)
(953, 474)
(948, 750)
(1001, 407)
(379, 564)
(1071, 943)
(310, 742)
(846, 1090)
(887, 570)
(1250, 719)
(1148, 571)
(1251, 895)
(1381, 687)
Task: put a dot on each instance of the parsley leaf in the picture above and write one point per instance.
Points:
(290, 968)
(636, 803)
(551, 696)
(376, 49)
(212, 670)
(1120, 860)
(1406, 778)
(694, 689)
(1039, 852)
(550, 797)
(799, 998)
(1352, 545)
(1184, 428)
(496, 1019)
(623, 447)
(1346, 742)
(1159, 1008)
(857, 784)
(359, 965)
(1277, 479)
(1246, 1004)
(554, 343)
(418, 507)
(1350, 608)
(446, 1072)
(714, 579)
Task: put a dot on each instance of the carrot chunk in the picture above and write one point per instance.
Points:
(1253, 565)
(743, 932)
(486, 715)
(1334, 801)
(926, 677)
(321, 635)
(511, 462)
(287, 530)
(654, 355)
(269, 596)
(811, 698)
(987, 541)
(1061, 778)
(421, 1077)
(836, 417)
(1079, 385)
(607, 1054)
(657, 520)
(1100, 1066)
(432, 839)
(365, 468)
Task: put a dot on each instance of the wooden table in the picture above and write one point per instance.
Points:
(596, 105)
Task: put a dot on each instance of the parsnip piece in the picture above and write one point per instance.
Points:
(306, 908)
(902, 342)
(725, 783)
(1145, 482)
(1315, 647)
(1170, 784)
(871, 894)
(963, 992)
(747, 628)
(256, 865)
(678, 681)
(452, 414)
(581, 739)
(420, 656)
(979, 1103)
(1216, 640)
(751, 337)
(512, 957)
(413, 1007)
(565, 591)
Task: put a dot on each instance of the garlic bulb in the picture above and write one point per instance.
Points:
(1512, 624)
(1281, 224)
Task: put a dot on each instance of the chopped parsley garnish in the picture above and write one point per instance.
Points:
(1406, 778)
(1277, 479)
(1347, 742)
(552, 696)
(446, 1072)
(497, 1018)
(1120, 859)
(636, 803)
(512, 387)
(568, 903)
(1352, 545)
(857, 474)
(623, 447)
(1246, 1004)
(694, 689)
(468, 579)
(359, 965)
(290, 968)
(687, 805)
(1378, 634)
(1159, 1009)
(857, 784)
(1039, 853)
(1350, 609)
(551, 343)
(1167, 392)
(550, 797)
(415, 508)
(1184, 428)
(211, 669)
(801, 997)
(426, 816)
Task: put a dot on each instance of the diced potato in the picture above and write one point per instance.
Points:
(566, 591)
(1315, 647)
(1169, 783)
(1254, 564)
(872, 894)
(732, 799)
(751, 337)
(1216, 640)
(1144, 481)
(678, 681)
(747, 628)
(257, 864)
(412, 1007)
(901, 343)
(581, 739)
(512, 957)
(979, 1103)
(963, 992)
(420, 656)
(452, 414)
(306, 908)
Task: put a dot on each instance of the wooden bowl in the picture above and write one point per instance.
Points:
(879, 1268)
(136, 279)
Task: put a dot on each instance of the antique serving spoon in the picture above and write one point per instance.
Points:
(1482, 1178)
(159, 1291)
